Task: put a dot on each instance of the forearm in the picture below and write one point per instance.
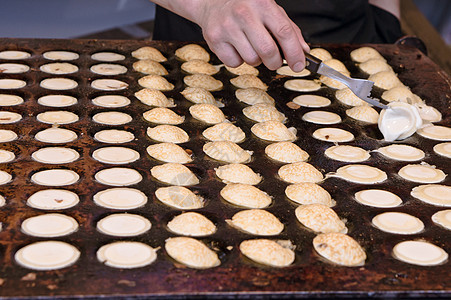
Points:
(392, 6)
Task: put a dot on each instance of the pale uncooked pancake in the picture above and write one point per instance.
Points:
(5, 177)
(6, 156)
(248, 81)
(263, 113)
(347, 153)
(197, 66)
(286, 71)
(112, 101)
(10, 100)
(374, 65)
(109, 84)
(55, 177)
(2, 201)
(321, 117)
(57, 117)
(337, 65)
(378, 198)
(6, 84)
(192, 51)
(107, 56)
(274, 131)
(108, 69)
(115, 155)
(340, 249)
(360, 174)
(60, 55)
(302, 85)
(434, 194)
(13, 68)
(321, 53)
(401, 152)
(398, 223)
(169, 152)
(257, 222)
(58, 84)
(55, 155)
(120, 198)
(149, 53)
(245, 195)
(150, 67)
(347, 97)
(168, 134)
(56, 136)
(163, 115)
(207, 113)
(428, 113)
(443, 218)
(191, 224)
(49, 225)
(7, 136)
(363, 113)
(243, 69)
(422, 173)
(123, 225)
(153, 97)
(57, 100)
(300, 172)
(53, 199)
(14, 54)
(363, 54)
(311, 101)
(399, 121)
(268, 252)
(113, 136)
(224, 132)
(253, 96)
(436, 132)
(320, 218)
(179, 197)
(237, 173)
(333, 135)
(286, 152)
(118, 176)
(443, 149)
(198, 95)
(112, 118)
(126, 255)
(174, 174)
(203, 81)
(191, 252)
(308, 193)
(420, 253)
(47, 255)
(385, 80)
(227, 152)
(59, 68)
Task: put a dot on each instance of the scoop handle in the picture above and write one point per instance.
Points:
(312, 63)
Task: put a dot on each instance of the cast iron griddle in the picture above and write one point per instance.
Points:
(382, 275)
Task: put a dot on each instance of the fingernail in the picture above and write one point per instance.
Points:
(298, 67)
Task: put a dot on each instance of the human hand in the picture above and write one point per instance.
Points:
(250, 31)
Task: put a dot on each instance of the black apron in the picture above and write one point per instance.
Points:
(321, 21)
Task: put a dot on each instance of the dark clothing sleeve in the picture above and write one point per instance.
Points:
(321, 21)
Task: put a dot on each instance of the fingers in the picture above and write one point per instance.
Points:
(290, 39)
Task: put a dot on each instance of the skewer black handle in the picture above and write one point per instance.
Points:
(312, 63)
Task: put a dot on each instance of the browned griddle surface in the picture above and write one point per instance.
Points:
(236, 276)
